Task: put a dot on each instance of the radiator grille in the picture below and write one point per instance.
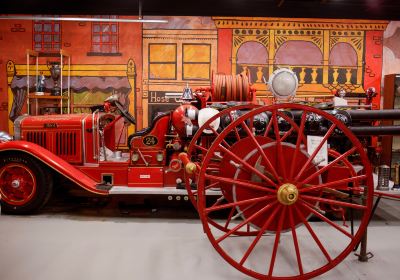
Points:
(66, 143)
(37, 137)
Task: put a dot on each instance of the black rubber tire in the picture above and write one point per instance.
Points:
(44, 184)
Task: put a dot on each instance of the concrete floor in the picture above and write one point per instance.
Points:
(150, 244)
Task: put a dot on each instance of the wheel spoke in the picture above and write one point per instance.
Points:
(269, 125)
(228, 221)
(27, 188)
(218, 201)
(238, 203)
(333, 184)
(212, 169)
(314, 236)
(311, 158)
(217, 134)
(236, 131)
(244, 184)
(295, 241)
(329, 165)
(298, 142)
(247, 228)
(194, 192)
(325, 219)
(334, 202)
(279, 144)
(276, 243)
(287, 133)
(249, 167)
(261, 151)
(245, 222)
(201, 148)
(260, 233)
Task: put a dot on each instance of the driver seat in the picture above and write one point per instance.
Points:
(157, 130)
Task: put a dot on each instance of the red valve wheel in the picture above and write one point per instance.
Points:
(277, 186)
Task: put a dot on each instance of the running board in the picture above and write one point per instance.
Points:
(154, 191)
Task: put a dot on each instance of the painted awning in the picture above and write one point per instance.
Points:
(77, 84)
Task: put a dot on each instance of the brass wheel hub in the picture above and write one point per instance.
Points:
(288, 194)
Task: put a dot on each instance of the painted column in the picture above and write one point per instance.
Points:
(373, 63)
(10, 75)
(325, 62)
(131, 74)
(271, 52)
(224, 57)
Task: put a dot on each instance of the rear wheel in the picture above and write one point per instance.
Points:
(25, 185)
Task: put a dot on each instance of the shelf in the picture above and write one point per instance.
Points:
(39, 101)
(35, 96)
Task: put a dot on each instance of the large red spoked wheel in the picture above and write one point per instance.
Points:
(25, 186)
(277, 186)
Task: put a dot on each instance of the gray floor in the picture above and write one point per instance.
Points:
(58, 245)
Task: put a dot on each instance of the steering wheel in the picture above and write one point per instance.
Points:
(125, 113)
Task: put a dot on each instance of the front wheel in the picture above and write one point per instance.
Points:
(25, 186)
(277, 184)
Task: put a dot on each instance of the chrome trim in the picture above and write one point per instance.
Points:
(91, 164)
(116, 190)
(83, 138)
(17, 127)
(94, 128)
(5, 137)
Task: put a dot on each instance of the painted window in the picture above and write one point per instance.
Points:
(196, 61)
(46, 35)
(252, 58)
(162, 61)
(343, 67)
(304, 58)
(105, 36)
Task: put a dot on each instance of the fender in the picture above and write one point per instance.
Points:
(54, 162)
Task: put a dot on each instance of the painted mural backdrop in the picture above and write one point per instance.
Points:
(148, 65)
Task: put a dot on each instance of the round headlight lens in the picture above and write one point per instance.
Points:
(283, 84)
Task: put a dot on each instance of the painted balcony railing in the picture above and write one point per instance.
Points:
(307, 74)
(343, 75)
(256, 71)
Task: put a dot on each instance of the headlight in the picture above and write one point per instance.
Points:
(5, 137)
(283, 84)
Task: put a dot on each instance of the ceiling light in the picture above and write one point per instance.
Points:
(83, 19)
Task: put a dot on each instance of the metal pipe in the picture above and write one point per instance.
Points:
(360, 115)
(388, 114)
(375, 130)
